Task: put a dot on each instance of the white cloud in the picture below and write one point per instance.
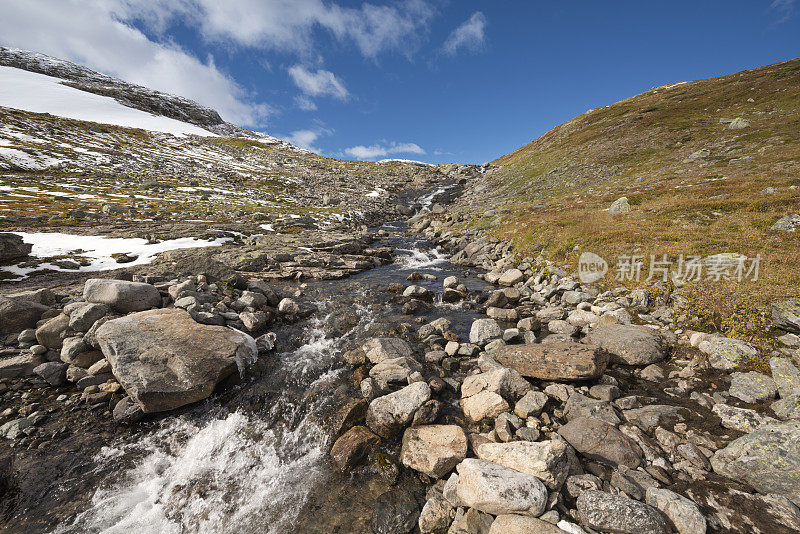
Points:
(95, 34)
(306, 138)
(470, 35)
(290, 24)
(381, 150)
(785, 8)
(305, 103)
(319, 83)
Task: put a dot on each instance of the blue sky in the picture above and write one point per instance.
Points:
(433, 80)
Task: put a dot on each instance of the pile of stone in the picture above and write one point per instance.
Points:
(138, 347)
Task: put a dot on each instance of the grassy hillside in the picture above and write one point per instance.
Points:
(696, 185)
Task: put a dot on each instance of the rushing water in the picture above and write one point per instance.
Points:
(247, 466)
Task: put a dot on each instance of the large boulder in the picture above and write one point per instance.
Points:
(752, 387)
(17, 314)
(631, 344)
(388, 415)
(164, 359)
(494, 489)
(683, 513)
(561, 361)
(434, 449)
(395, 512)
(613, 513)
(12, 247)
(122, 296)
(21, 365)
(786, 315)
(53, 333)
(546, 460)
(597, 440)
(768, 459)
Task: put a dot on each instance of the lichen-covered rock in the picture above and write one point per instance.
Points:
(613, 513)
(559, 361)
(494, 489)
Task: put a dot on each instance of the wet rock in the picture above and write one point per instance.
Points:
(684, 514)
(379, 349)
(387, 415)
(631, 344)
(597, 440)
(546, 460)
(726, 353)
(288, 307)
(768, 459)
(127, 411)
(786, 314)
(12, 247)
(614, 513)
(483, 405)
(253, 321)
(752, 387)
(483, 331)
(554, 361)
(21, 365)
(396, 512)
(494, 489)
(17, 314)
(122, 296)
(52, 333)
(164, 359)
(352, 447)
(434, 449)
(54, 373)
(520, 524)
(418, 293)
(15, 429)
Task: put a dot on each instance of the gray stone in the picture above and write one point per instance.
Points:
(385, 348)
(555, 361)
(83, 317)
(546, 460)
(395, 512)
(579, 406)
(483, 331)
(614, 513)
(54, 373)
(164, 359)
(620, 206)
(508, 383)
(683, 513)
(752, 387)
(127, 411)
(531, 403)
(631, 344)
(121, 295)
(786, 376)
(726, 353)
(52, 333)
(387, 415)
(597, 440)
(433, 449)
(653, 415)
(789, 223)
(483, 405)
(786, 315)
(17, 314)
(437, 514)
(494, 489)
(12, 247)
(511, 277)
(520, 524)
(787, 408)
(21, 365)
(768, 459)
(741, 419)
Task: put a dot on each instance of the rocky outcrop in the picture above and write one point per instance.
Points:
(12, 247)
(164, 359)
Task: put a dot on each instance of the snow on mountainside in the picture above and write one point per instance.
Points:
(29, 91)
(125, 93)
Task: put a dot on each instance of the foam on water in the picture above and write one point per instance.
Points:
(420, 259)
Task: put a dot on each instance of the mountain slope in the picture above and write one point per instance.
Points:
(708, 167)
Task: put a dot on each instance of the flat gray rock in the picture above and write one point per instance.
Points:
(597, 440)
(752, 387)
(121, 295)
(614, 513)
(631, 344)
(786, 313)
(768, 459)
